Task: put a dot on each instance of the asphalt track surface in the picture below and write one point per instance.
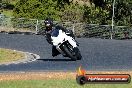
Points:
(98, 54)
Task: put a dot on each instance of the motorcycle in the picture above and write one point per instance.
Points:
(66, 45)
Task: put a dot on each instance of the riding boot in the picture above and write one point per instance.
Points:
(55, 52)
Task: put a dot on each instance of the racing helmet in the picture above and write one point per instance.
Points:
(48, 22)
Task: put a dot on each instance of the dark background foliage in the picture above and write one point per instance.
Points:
(99, 12)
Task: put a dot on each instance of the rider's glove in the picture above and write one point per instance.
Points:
(70, 33)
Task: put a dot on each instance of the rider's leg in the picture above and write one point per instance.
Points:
(55, 52)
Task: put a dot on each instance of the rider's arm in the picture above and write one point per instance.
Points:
(68, 32)
(61, 28)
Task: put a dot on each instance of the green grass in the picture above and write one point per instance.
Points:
(7, 55)
(52, 83)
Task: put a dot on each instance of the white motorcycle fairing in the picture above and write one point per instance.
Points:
(65, 44)
(62, 37)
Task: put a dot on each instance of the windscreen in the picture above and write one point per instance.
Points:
(55, 33)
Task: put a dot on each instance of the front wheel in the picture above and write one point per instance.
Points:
(67, 51)
(78, 54)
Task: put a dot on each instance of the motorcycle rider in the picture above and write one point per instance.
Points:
(48, 31)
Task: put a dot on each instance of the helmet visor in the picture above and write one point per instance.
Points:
(47, 25)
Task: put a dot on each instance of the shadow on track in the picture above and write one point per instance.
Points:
(55, 59)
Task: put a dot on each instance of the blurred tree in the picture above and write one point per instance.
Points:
(99, 3)
(61, 3)
(39, 9)
(122, 12)
(72, 12)
(67, 10)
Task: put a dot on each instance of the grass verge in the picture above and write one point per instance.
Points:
(51, 80)
(7, 55)
(60, 83)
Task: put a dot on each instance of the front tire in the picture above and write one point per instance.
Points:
(78, 54)
(66, 50)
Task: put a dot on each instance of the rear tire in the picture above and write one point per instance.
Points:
(66, 50)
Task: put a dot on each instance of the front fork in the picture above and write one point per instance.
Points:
(60, 50)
